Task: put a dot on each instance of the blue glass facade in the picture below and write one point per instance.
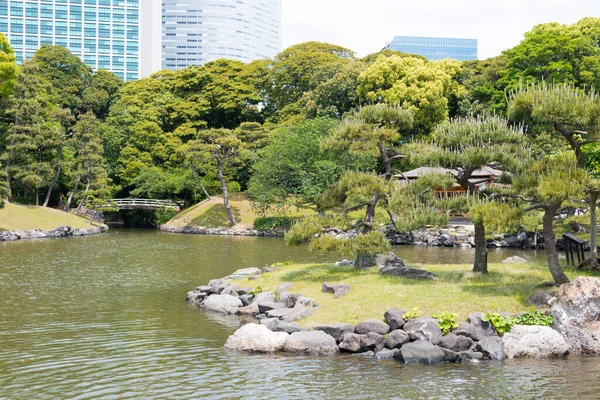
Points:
(103, 33)
(436, 48)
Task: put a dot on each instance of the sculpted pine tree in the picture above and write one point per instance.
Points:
(467, 145)
(574, 115)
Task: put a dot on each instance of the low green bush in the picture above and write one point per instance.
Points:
(447, 322)
(264, 224)
(503, 324)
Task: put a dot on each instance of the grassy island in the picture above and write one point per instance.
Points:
(506, 289)
(19, 217)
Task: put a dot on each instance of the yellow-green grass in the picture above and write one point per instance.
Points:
(505, 289)
(211, 214)
(19, 217)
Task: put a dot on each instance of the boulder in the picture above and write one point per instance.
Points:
(386, 354)
(372, 342)
(540, 299)
(408, 273)
(263, 297)
(276, 325)
(471, 356)
(315, 343)
(284, 287)
(350, 342)
(423, 329)
(371, 325)
(388, 260)
(222, 303)
(290, 314)
(270, 323)
(256, 338)
(394, 318)
(246, 299)
(576, 309)
(534, 342)
(305, 301)
(396, 339)
(251, 309)
(265, 306)
(514, 259)
(336, 331)
(195, 298)
(337, 290)
(486, 328)
(491, 347)
(231, 290)
(471, 331)
(245, 272)
(422, 352)
(456, 343)
(289, 299)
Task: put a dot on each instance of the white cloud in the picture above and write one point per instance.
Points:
(366, 26)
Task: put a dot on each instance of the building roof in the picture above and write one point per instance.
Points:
(476, 176)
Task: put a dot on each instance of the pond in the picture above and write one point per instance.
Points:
(104, 317)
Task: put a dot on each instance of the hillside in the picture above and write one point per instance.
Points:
(19, 217)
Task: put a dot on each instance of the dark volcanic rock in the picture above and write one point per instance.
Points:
(335, 330)
(424, 329)
(394, 319)
(491, 347)
(396, 339)
(408, 273)
(350, 342)
(421, 351)
(456, 343)
(316, 343)
(337, 290)
(540, 299)
(372, 342)
(372, 325)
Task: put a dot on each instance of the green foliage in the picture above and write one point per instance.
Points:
(255, 291)
(264, 224)
(503, 324)
(164, 215)
(447, 322)
(8, 68)
(307, 228)
(413, 314)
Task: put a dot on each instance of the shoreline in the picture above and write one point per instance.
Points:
(200, 230)
(59, 232)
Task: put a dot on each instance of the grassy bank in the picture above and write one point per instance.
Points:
(506, 288)
(19, 217)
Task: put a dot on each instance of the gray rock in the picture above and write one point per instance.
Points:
(372, 342)
(264, 297)
(386, 354)
(476, 319)
(338, 290)
(246, 299)
(396, 339)
(456, 343)
(196, 298)
(394, 319)
(471, 331)
(290, 314)
(222, 303)
(316, 343)
(231, 290)
(408, 273)
(350, 342)
(270, 269)
(265, 306)
(491, 347)
(304, 301)
(251, 309)
(256, 338)
(388, 260)
(452, 356)
(270, 323)
(365, 354)
(206, 289)
(245, 272)
(284, 287)
(336, 331)
(514, 259)
(534, 342)
(540, 299)
(576, 309)
(422, 352)
(371, 325)
(289, 299)
(471, 356)
(423, 329)
(288, 327)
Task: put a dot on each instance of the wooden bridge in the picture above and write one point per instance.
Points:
(141, 204)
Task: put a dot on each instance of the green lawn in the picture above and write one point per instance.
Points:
(505, 289)
(19, 217)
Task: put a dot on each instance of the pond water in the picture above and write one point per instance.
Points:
(104, 317)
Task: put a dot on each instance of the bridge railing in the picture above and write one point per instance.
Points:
(150, 203)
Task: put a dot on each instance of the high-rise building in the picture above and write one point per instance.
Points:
(436, 48)
(198, 31)
(103, 33)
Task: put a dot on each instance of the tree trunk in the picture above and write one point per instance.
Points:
(51, 187)
(225, 195)
(593, 229)
(481, 252)
(370, 214)
(37, 197)
(550, 244)
(72, 195)
(198, 182)
(573, 142)
(363, 260)
(85, 195)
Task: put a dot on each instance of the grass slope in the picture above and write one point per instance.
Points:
(505, 289)
(19, 217)
(211, 213)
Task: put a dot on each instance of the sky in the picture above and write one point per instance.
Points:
(365, 26)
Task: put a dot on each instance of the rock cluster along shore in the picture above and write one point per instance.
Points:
(419, 340)
(60, 232)
(200, 230)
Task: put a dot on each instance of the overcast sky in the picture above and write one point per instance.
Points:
(366, 25)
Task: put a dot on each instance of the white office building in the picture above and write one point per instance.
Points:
(198, 31)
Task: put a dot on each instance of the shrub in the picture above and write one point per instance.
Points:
(164, 215)
(411, 314)
(503, 324)
(270, 223)
(446, 322)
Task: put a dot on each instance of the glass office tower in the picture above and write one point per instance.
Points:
(436, 48)
(197, 31)
(103, 33)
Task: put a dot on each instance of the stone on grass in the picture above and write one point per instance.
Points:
(315, 343)
(244, 273)
(534, 342)
(394, 318)
(265, 306)
(338, 290)
(540, 299)
(396, 339)
(289, 299)
(423, 329)
(456, 343)
(336, 331)
(388, 260)
(372, 325)
(350, 342)
(408, 273)
(514, 260)
(222, 303)
(284, 287)
(256, 338)
(421, 352)
(576, 309)
(491, 347)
